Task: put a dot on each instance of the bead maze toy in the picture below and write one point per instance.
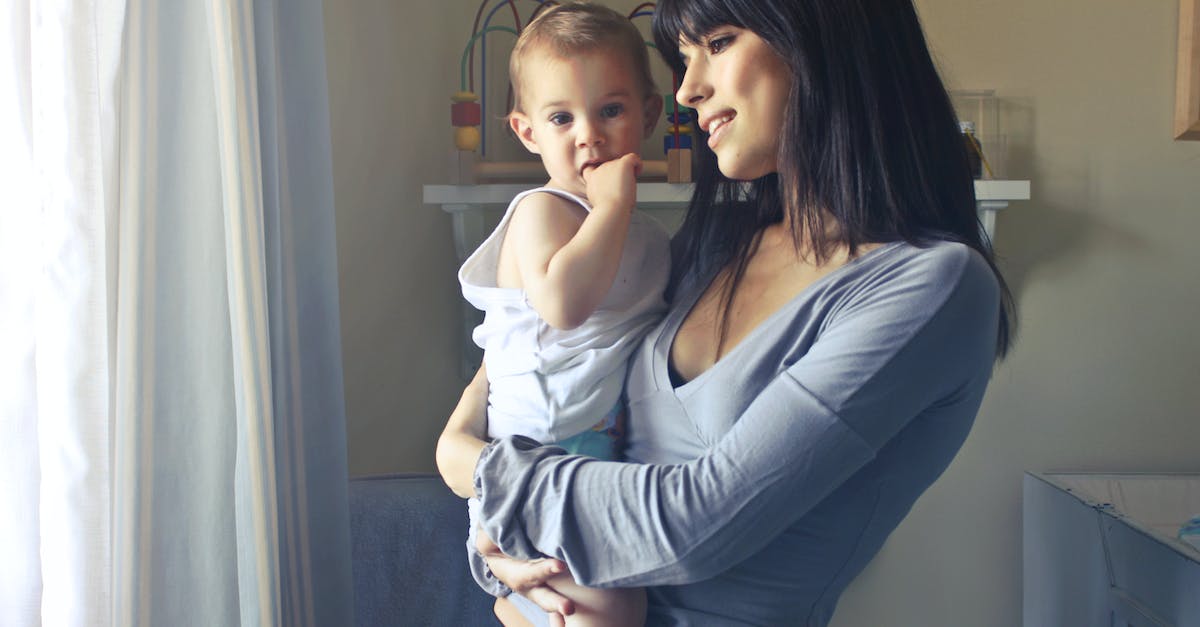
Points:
(469, 109)
(677, 144)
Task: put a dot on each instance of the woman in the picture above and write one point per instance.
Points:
(835, 318)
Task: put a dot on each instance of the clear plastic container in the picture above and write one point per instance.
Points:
(979, 110)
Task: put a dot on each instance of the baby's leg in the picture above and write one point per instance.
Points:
(601, 607)
(509, 615)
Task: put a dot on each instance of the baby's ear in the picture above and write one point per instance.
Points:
(652, 108)
(521, 127)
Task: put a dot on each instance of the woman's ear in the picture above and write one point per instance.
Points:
(523, 129)
(652, 108)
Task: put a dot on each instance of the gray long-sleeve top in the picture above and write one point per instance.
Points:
(757, 491)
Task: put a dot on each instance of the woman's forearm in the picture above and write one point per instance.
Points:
(464, 438)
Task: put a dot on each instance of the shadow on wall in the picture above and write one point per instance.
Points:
(1048, 236)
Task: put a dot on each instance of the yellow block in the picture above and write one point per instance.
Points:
(467, 138)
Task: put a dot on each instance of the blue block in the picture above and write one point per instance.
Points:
(684, 117)
(685, 141)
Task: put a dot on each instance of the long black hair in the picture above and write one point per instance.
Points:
(871, 149)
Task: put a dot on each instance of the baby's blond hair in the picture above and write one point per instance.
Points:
(572, 28)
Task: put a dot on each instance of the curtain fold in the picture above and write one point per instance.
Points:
(20, 473)
(74, 67)
(172, 444)
(235, 82)
(301, 261)
(176, 434)
(58, 72)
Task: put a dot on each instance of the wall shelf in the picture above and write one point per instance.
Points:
(466, 205)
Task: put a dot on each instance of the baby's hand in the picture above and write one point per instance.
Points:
(613, 184)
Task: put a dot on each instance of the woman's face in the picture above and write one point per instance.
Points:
(740, 88)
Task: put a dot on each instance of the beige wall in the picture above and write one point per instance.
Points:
(392, 66)
(1103, 261)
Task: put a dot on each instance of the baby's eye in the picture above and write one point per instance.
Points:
(559, 119)
(718, 44)
(612, 110)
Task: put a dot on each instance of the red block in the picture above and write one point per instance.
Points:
(465, 114)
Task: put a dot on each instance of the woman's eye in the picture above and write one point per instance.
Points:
(558, 119)
(612, 110)
(718, 44)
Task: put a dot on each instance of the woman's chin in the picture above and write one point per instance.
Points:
(743, 169)
(743, 173)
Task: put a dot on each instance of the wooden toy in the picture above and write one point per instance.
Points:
(678, 141)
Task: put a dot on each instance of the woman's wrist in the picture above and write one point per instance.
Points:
(506, 469)
(477, 474)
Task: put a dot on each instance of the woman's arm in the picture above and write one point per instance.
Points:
(909, 344)
(458, 451)
(464, 437)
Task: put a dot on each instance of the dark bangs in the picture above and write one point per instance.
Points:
(689, 20)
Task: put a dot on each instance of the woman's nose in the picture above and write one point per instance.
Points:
(693, 89)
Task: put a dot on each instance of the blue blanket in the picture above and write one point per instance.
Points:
(408, 536)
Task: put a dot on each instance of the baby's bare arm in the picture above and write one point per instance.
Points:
(601, 607)
(567, 258)
(464, 437)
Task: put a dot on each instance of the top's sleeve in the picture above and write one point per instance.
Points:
(920, 339)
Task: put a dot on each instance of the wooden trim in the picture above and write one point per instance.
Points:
(1187, 77)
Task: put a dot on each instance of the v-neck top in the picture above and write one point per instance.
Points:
(754, 493)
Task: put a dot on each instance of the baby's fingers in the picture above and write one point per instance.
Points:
(634, 158)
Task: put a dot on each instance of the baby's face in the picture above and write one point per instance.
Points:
(580, 112)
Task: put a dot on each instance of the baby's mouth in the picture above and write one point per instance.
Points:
(591, 165)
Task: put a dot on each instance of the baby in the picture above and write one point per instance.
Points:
(572, 277)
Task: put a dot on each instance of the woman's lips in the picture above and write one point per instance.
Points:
(717, 128)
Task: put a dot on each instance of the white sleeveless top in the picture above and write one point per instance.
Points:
(550, 384)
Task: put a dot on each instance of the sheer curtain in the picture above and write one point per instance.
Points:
(172, 432)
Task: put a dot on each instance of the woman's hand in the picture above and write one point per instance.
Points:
(529, 579)
(463, 438)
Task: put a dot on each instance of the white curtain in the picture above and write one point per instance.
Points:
(172, 433)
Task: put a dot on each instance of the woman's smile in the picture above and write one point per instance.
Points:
(715, 127)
